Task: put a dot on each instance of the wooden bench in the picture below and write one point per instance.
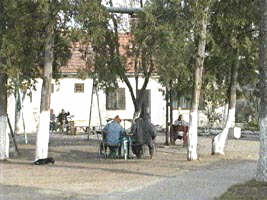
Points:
(178, 132)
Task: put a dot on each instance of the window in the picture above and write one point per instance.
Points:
(78, 88)
(115, 100)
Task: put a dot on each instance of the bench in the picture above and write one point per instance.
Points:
(178, 132)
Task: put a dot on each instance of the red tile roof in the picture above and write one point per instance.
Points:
(76, 62)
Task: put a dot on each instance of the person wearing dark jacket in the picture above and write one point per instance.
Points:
(143, 134)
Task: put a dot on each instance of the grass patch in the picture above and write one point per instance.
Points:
(251, 190)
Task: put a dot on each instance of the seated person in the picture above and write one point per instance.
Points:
(52, 126)
(143, 134)
(180, 121)
(179, 126)
(113, 133)
(62, 117)
(63, 120)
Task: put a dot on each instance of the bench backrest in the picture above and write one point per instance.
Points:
(178, 128)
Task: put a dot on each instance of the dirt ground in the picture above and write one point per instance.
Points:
(79, 169)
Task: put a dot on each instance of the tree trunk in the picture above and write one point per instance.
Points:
(4, 139)
(167, 117)
(171, 103)
(261, 174)
(137, 98)
(192, 133)
(225, 113)
(42, 139)
(193, 122)
(218, 142)
(18, 105)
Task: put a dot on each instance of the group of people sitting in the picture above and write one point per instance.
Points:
(62, 120)
(142, 133)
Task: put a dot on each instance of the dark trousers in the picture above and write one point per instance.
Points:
(138, 149)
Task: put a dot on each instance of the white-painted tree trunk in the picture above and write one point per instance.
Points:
(18, 111)
(219, 141)
(261, 174)
(192, 135)
(199, 65)
(4, 139)
(225, 114)
(42, 138)
(19, 118)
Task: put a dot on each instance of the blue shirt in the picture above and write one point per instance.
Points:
(114, 132)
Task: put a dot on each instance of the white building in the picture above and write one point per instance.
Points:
(74, 95)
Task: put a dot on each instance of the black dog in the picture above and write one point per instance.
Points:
(45, 161)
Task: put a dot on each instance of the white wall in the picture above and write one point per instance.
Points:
(30, 109)
(78, 104)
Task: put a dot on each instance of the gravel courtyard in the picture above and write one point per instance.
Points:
(79, 171)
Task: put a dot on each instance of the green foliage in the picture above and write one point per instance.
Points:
(62, 52)
(23, 35)
(175, 29)
(169, 23)
(251, 190)
(99, 43)
(234, 25)
(234, 38)
(17, 50)
(253, 125)
(56, 14)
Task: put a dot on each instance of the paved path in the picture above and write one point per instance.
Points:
(200, 184)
